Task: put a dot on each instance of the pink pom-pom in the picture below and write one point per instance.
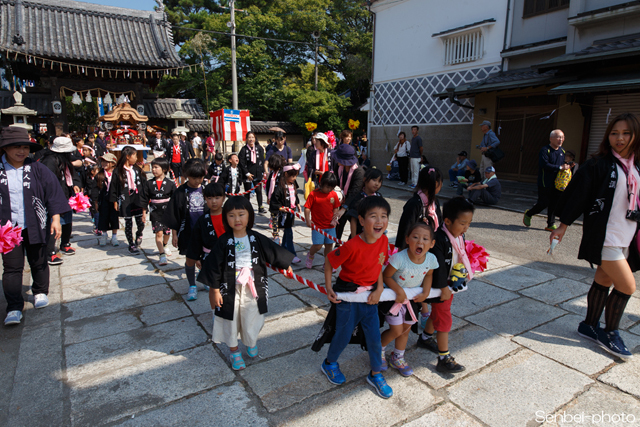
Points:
(10, 237)
(79, 203)
(332, 138)
(478, 256)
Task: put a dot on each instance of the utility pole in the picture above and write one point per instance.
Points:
(234, 71)
(316, 37)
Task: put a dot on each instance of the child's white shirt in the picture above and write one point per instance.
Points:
(243, 252)
(410, 274)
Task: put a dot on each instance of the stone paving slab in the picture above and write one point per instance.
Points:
(494, 263)
(472, 347)
(40, 364)
(559, 340)
(279, 386)
(92, 358)
(517, 387)
(515, 317)
(283, 306)
(515, 278)
(592, 409)
(479, 297)
(201, 305)
(121, 273)
(574, 272)
(229, 405)
(556, 291)
(117, 302)
(624, 375)
(134, 388)
(629, 318)
(312, 297)
(446, 415)
(105, 264)
(98, 289)
(338, 407)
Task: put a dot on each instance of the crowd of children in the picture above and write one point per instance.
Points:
(213, 227)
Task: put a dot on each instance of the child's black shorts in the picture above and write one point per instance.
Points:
(158, 226)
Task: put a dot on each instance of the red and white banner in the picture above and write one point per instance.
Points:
(230, 125)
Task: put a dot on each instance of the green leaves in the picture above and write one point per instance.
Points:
(275, 79)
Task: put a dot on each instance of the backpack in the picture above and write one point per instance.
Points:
(562, 179)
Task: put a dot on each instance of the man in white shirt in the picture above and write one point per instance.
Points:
(196, 142)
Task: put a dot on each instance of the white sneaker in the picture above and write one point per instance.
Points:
(114, 240)
(163, 259)
(167, 251)
(102, 240)
(40, 300)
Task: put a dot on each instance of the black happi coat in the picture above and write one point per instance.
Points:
(151, 192)
(310, 164)
(108, 216)
(129, 202)
(158, 144)
(92, 191)
(219, 269)
(280, 198)
(226, 179)
(355, 186)
(216, 171)
(590, 193)
(184, 152)
(42, 197)
(412, 212)
(203, 236)
(273, 176)
(53, 162)
(177, 217)
(256, 169)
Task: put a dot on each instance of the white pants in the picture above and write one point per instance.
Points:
(415, 170)
(484, 164)
(246, 324)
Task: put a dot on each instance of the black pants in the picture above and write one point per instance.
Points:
(248, 185)
(342, 222)
(547, 198)
(13, 264)
(403, 168)
(128, 229)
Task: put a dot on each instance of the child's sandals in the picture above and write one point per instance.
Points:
(237, 363)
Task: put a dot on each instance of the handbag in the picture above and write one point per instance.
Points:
(562, 179)
(494, 154)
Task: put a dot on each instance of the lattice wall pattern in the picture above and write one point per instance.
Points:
(411, 102)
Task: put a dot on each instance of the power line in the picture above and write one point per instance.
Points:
(252, 37)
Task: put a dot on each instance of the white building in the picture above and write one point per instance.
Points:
(422, 47)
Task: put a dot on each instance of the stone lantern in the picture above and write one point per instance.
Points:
(180, 116)
(19, 112)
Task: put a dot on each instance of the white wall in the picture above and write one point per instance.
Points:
(537, 28)
(403, 44)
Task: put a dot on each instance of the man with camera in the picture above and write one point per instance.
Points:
(550, 162)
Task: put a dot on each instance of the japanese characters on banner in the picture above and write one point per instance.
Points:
(230, 125)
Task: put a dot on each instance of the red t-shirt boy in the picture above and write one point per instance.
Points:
(361, 259)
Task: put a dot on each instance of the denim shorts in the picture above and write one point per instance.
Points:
(319, 239)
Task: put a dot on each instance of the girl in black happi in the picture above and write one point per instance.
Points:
(126, 192)
(605, 192)
(30, 198)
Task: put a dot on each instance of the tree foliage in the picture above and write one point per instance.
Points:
(275, 79)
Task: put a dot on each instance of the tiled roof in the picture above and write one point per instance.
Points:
(608, 45)
(199, 126)
(502, 81)
(163, 108)
(259, 126)
(80, 32)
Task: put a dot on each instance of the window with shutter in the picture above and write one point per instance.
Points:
(537, 7)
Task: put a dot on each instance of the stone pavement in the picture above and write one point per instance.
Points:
(120, 345)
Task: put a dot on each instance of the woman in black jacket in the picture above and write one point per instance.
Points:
(605, 191)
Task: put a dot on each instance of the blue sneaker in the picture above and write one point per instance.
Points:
(612, 342)
(384, 365)
(588, 331)
(252, 351)
(193, 293)
(378, 382)
(237, 363)
(13, 318)
(333, 373)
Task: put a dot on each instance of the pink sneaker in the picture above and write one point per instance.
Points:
(309, 262)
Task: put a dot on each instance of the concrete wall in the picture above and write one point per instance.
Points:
(441, 143)
(537, 28)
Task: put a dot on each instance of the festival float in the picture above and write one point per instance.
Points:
(124, 123)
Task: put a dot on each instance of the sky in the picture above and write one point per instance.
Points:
(137, 4)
